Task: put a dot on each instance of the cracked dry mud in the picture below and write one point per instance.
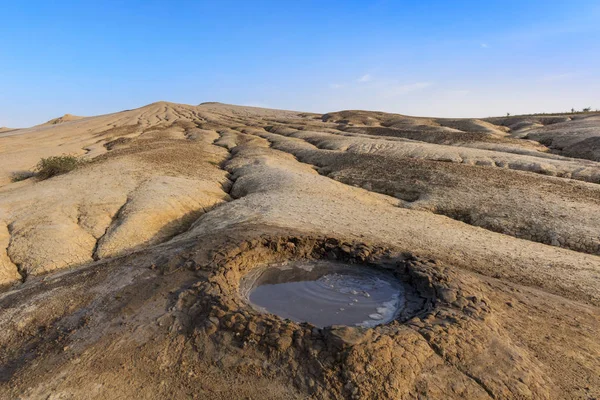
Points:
(121, 278)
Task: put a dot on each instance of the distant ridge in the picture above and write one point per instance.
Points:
(63, 119)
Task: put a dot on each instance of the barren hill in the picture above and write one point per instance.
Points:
(61, 120)
(121, 277)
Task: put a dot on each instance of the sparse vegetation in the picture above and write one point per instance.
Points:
(572, 111)
(19, 176)
(57, 165)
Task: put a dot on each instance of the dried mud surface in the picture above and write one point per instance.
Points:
(121, 279)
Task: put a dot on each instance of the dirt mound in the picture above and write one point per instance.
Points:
(63, 119)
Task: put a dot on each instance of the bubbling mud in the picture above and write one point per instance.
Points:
(325, 293)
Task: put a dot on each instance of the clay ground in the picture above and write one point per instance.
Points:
(120, 279)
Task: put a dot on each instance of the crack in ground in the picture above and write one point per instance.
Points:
(223, 164)
(226, 188)
(114, 219)
(17, 265)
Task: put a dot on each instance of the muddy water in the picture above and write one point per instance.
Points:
(325, 293)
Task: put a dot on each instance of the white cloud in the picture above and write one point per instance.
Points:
(367, 87)
(484, 45)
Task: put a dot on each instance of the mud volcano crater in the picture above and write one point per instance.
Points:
(400, 288)
(441, 321)
(325, 293)
(307, 282)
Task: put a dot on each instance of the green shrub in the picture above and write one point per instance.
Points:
(19, 176)
(56, 165)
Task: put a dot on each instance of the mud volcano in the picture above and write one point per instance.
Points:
(124, 277)
(279, 299)
(325, 293)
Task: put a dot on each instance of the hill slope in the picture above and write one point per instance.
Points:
(122, 276)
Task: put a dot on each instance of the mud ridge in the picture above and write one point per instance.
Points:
(474, 156)
(546, 236)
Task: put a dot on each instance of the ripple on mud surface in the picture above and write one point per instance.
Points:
(325, 293)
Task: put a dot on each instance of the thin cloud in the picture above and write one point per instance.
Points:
(381, 88)
(557, 77)
(408, 88)
(484, 45)
(459, 92)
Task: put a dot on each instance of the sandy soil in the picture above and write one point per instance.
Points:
(121, 278)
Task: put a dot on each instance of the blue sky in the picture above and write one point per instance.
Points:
(432, 58)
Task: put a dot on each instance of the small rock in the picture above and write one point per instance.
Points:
(283, 343)
(341, 336)
(447, 295)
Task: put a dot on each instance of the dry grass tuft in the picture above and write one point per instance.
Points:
(57, 165)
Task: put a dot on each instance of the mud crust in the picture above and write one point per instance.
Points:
(338, 361)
